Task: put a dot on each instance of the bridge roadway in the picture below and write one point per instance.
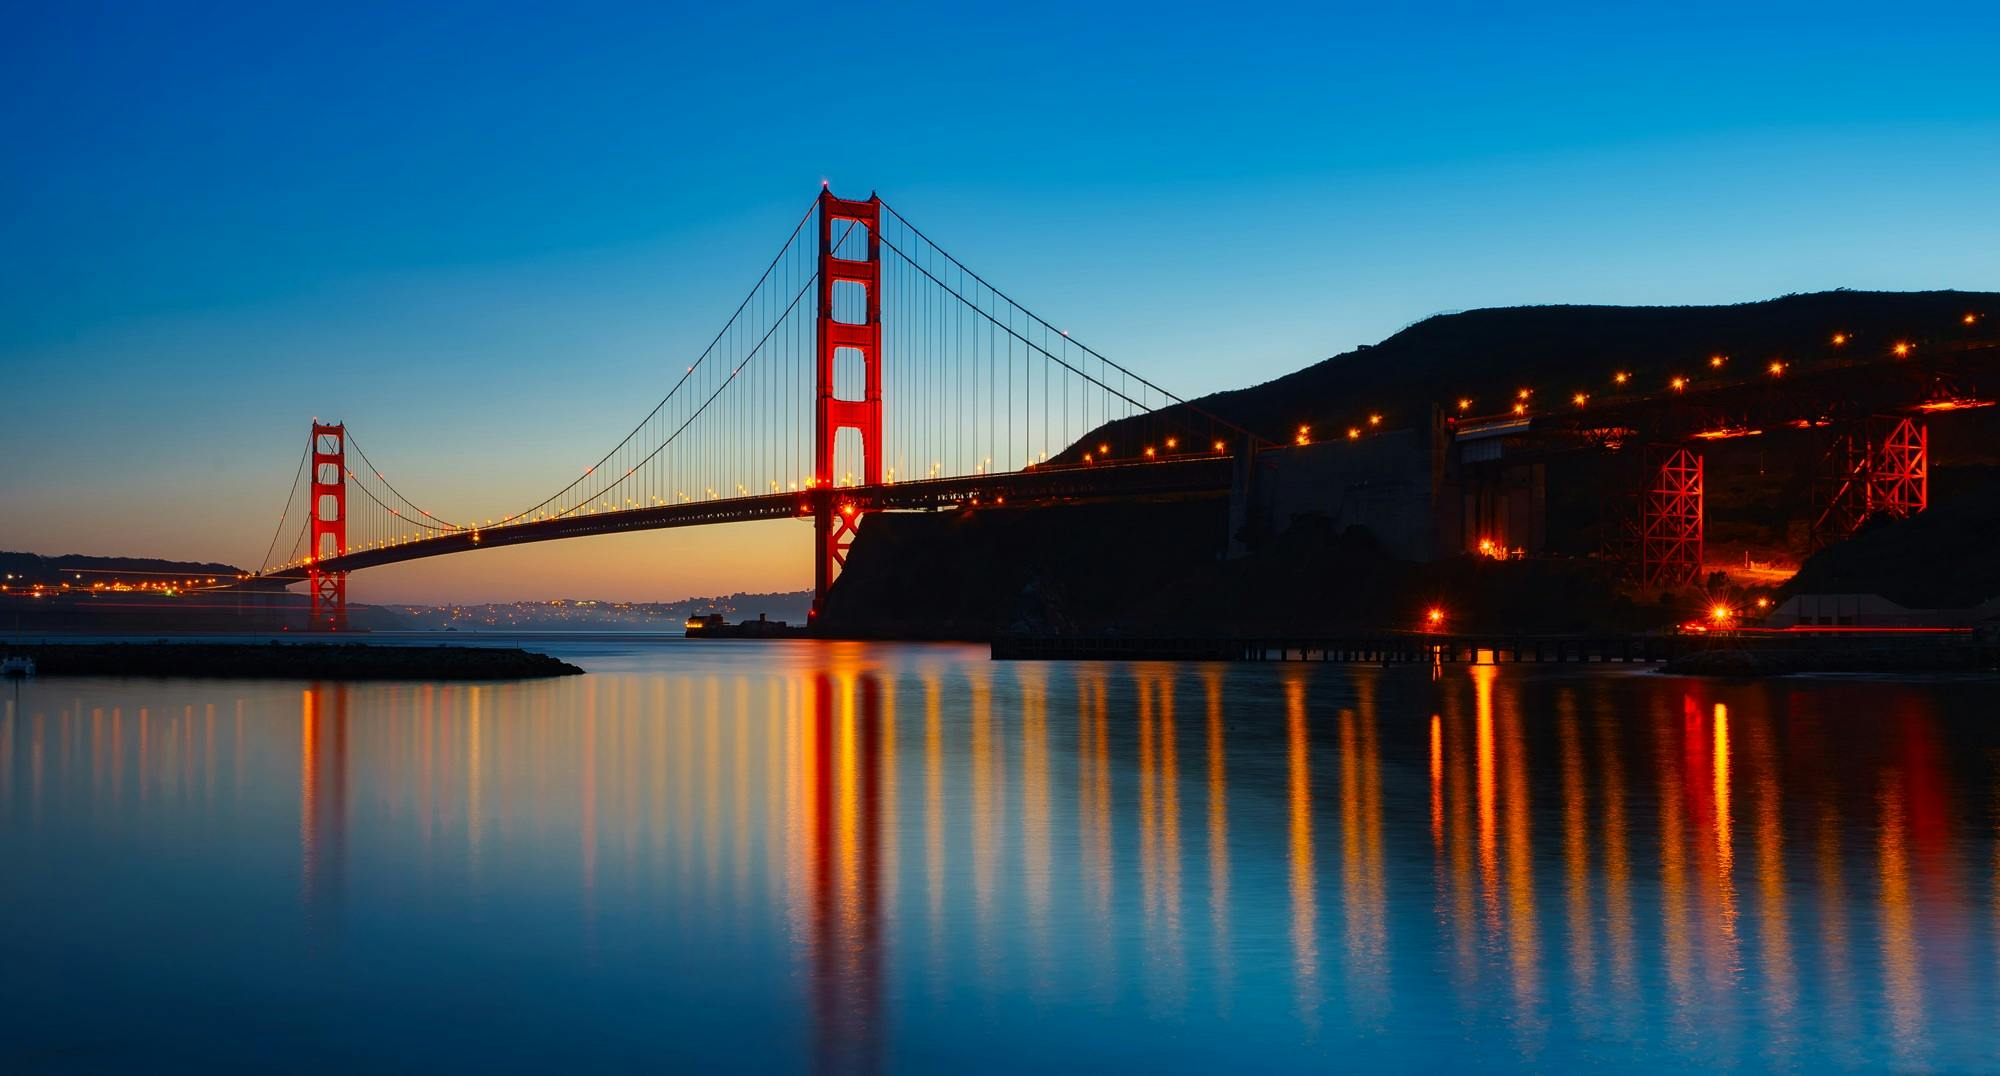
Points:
(1205, 475)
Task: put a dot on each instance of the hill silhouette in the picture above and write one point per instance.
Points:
(1486, 355)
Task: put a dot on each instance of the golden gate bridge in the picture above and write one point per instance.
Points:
(868, 370)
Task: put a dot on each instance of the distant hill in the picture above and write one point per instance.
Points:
(32, 568)
(1487, 355)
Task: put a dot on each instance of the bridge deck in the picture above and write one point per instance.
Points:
(1192, 476)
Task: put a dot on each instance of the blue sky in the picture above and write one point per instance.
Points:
(485, 234)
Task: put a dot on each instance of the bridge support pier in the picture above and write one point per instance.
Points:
(1877, 465)
(853, 329)
(328, 513)
(1670, 518)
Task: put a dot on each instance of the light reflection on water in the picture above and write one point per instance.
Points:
(775, 855)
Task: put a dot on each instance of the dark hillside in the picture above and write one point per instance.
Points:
(1945, 558)
(1487, 355)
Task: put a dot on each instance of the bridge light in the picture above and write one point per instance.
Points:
(1971, 319)
(1304, 437)
(1777, 368)
(1580, 399)
(1354, 433)
(1219, 446)
(1716, 361)
(1173, 443)
(1464, 404)
(1720, 613)
(1524, 394)
(1375, 419)
(1104, 450)
(1763, 603)
(1839, 339)
(1520, 409)
(1903, 348)
(1149, 451)
(1434, 617)
(1678, 383)
(1620, 377)
(1086, 458)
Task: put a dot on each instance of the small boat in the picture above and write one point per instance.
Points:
(17, 668)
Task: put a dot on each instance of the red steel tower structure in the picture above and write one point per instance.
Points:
(834, 518)
(329, 521)
(1876, 466)
(1670, 518)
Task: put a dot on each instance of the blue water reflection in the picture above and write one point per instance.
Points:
(860, 857)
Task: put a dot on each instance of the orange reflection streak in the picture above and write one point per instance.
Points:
(1576, 856)
(1218, 840)
(934, 814)
(883, 761)
(308, 784)
(1617, 869)
(1900, 959)
(1033, 687)
(1725, 841)
(1437, 785)
(1489, 847)
(145, 758)
(985, 815)
(1522, 925)
(1305, 913)
(1462, 880)
(322, 801)
(1835, 946)
(473, 811)
(1148, 882)
(1170, 831)
(684, 815)
(711, 781)
(1779, 978)
(1094, 807)
(847, 813)
(1673, 875)
(1366, 908)
(740, 820)
(587, 793)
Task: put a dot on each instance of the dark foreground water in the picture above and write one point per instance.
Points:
(729, 855)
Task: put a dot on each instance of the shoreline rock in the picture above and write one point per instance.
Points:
(289, 661)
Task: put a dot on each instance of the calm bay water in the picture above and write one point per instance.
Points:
(733, 855)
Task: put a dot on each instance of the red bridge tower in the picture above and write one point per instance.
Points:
(329, 521)
(836, 518)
